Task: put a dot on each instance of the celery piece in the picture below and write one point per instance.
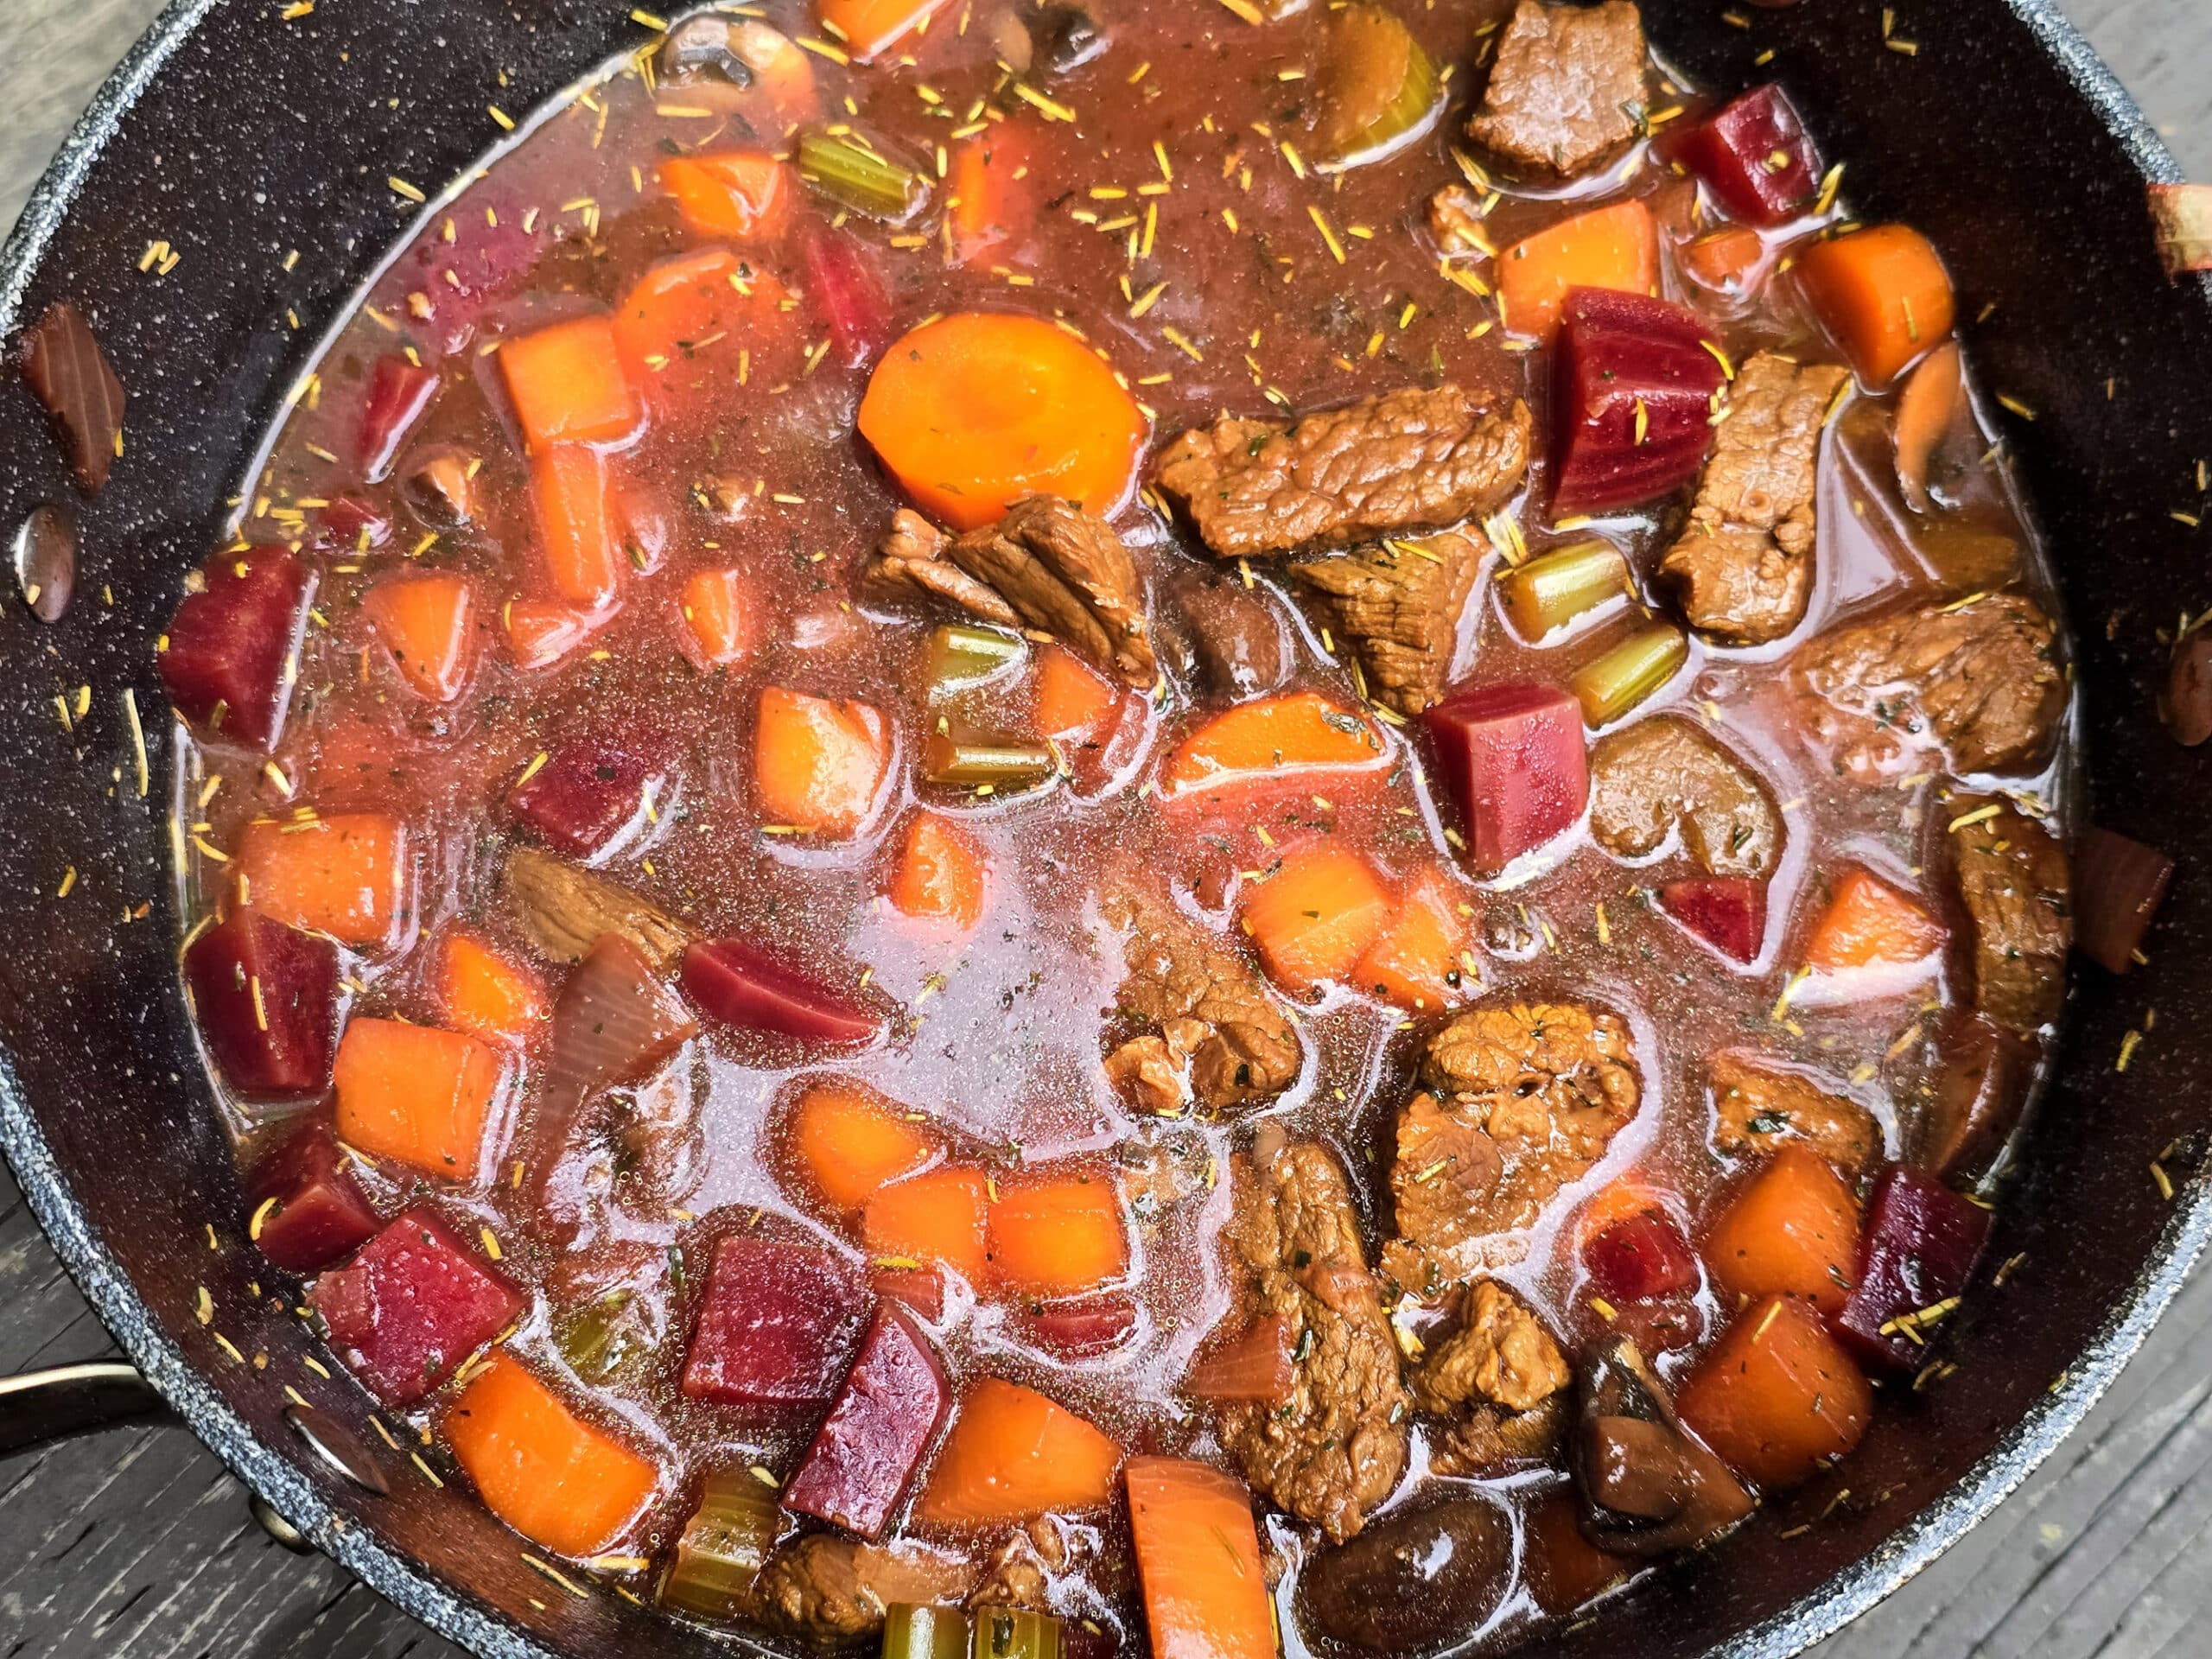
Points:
(598, 1337)
(911, 1633)
(1611, 684)
(1015, 1633)
(984, 758)
(864, 179)
(1377, 86)
(962, 656)
(1554, 588)
(725, 1541)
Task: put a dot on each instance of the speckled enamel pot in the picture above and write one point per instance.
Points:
(238, 139)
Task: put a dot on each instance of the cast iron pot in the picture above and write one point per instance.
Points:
(238, 139)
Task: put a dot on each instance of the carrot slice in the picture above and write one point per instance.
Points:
(1315, 916)
(567, 385)
(866, 27)
(1206, 1595)
(699, 309)
(721, 622)
(1012, 1454)
(1727, 261)
(1870, 923)
(575, 524)
(1618, 1201)
(417, 1094)
(1930, 402)
(1882, 294)
(1074, 705)
(1053, 1234)
(940, 875)
(975, 410)
(1792, 1231)
(1776, 1396)
(989, 206)
(851, 1143)
(428, 625)
(937, 1215)
(1415, 964)
(558, 1480)
(745, 195)
(344, 873)
(541, 632)
(818, 765)
(485, 991)
(1617, 247)
(1268, 737)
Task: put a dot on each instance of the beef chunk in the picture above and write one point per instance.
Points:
(1981, 678)
(1756, 1109)
(1517, 1102)
(831, 1591)
(1215, 1036)
(1048, 565)
(1499, 1381)
(1408, 460)
(1396, 605)
(2012, 878)
(1659, 773)
(1020, 1571)
(565, 910)
(1567, 89)
(1334, 1449)
(1238, 643)
(1744, 568)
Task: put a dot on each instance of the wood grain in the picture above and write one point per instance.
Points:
(137, 1544)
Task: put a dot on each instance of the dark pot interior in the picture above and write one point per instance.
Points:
(238, 139)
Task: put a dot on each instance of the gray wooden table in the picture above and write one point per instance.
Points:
(137, 1544)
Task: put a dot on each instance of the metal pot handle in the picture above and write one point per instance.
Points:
(41, 1406)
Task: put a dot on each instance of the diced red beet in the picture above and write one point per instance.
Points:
(351, 525)
(1640, 1258)
(1918, 1250)
(2118, 885)
(777, 1322)
(229, 644)
(411, 1306)
(1727, 911)
(1632, 398)
(399, 391)
(866, 1452)
(1083, 1330)
(741, 986)
(266, 999)
(587, 792)
(489, 252)
(848, 294)
(1514, 763)
(1755, 156)
(321, 1213)
(921, 1289)
(1667, 1325)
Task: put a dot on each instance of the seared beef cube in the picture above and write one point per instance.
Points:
(1395, 606)
(777, 1323)
(1661, 773)
(1567, 89)
(1499, 1381)
(2013, 880)
(414, 1304)
(1336, 1447)
(1406, 462)
(832, 1591)
(1238, 645)
(1982, 679)
(1744, 566)
(1756, 1109)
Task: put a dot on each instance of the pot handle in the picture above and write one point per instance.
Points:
(41, 1406)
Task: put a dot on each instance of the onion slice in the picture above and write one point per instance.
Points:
(1254, 1364)
(2118, 887)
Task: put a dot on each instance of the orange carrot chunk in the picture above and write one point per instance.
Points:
(818, 765)
(1882, 294)
(567, 385)
(1075, 705)
(697, 311)
(974, 411)
(1205, 1596)
(935, 1216)
(989, 206)
(1607, 247)
(1776, 1396)
(1012, 1454)
(1870, 923)
(851, 1143)
(1929, 405)
(939, 875)
(417, 1094)
(541, 632)
(720, 623)
(1053, 1234)
(344, 873)
(428, 625)
(576, 532)
(867, 27)
(1414, 965)
(558, 1480)
(1314, 918)
(744, 194)
(484, 991)
(1792, 1231)
(1298, 732)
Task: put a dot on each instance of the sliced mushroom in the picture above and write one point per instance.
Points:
(439, 486)
(1648, 1487)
